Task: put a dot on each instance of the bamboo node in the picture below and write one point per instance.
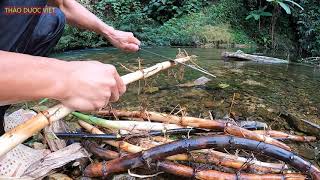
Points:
(104, 168)
(232, 141)
(48, 116)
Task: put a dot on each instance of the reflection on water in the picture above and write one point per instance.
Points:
(260, 91)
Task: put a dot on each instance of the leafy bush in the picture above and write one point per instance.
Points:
(309, 28)
(169, 22)
(74, 38)
(164, 10)
(215, 34)
(227, 11)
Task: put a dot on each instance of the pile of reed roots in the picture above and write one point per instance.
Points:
(152, 143)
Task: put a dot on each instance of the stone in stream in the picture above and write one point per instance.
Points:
(198, 82)
(253, 83)
(307, 152)
(302, 125)
(253, 125)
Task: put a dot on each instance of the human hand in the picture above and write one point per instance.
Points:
(90, 85)
(123, 40)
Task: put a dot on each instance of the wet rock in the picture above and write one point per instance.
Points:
(261, 106)
(198, 82)
(208, 104)
(301, 124)
(151, 90)
(270, 110)
(253, 83)
(218, 103)
(253, 125)
(307, 152)
(195, 93)
(223, 85)
(237, 71)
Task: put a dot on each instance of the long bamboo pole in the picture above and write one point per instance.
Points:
(22, 132)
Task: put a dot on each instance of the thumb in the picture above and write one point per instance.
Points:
(131, 47)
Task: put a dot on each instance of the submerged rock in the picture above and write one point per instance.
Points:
(307, 152)
(198, 82)
(301, 124)
(195, 93)
(223, 85)
(253, 83)
(151, 90)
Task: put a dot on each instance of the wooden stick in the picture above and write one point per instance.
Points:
(22, 132)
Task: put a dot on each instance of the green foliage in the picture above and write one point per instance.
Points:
(308, 23)
(74, 38)
(227, 11)
(214, 34)
(285, 4)
(117, 9)
(194, 30)
(239, 36)
(181, 23)
(164, 10)
(257, 14)
(193, 23)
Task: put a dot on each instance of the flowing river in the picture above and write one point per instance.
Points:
(247, 90)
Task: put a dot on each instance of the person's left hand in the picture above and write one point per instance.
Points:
(124, 40)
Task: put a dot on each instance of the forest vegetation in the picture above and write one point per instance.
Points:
(292, 26)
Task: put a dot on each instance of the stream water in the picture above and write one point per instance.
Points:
(249, 90)
(255, 87)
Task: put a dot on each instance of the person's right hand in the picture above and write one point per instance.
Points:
(90, 85)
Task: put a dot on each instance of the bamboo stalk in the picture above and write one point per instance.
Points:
(22, 132)
(202, 156)
(126, 125)
(286, 136)
(197, 123)
(183, 146)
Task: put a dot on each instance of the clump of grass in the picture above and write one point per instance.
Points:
(216, 34)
